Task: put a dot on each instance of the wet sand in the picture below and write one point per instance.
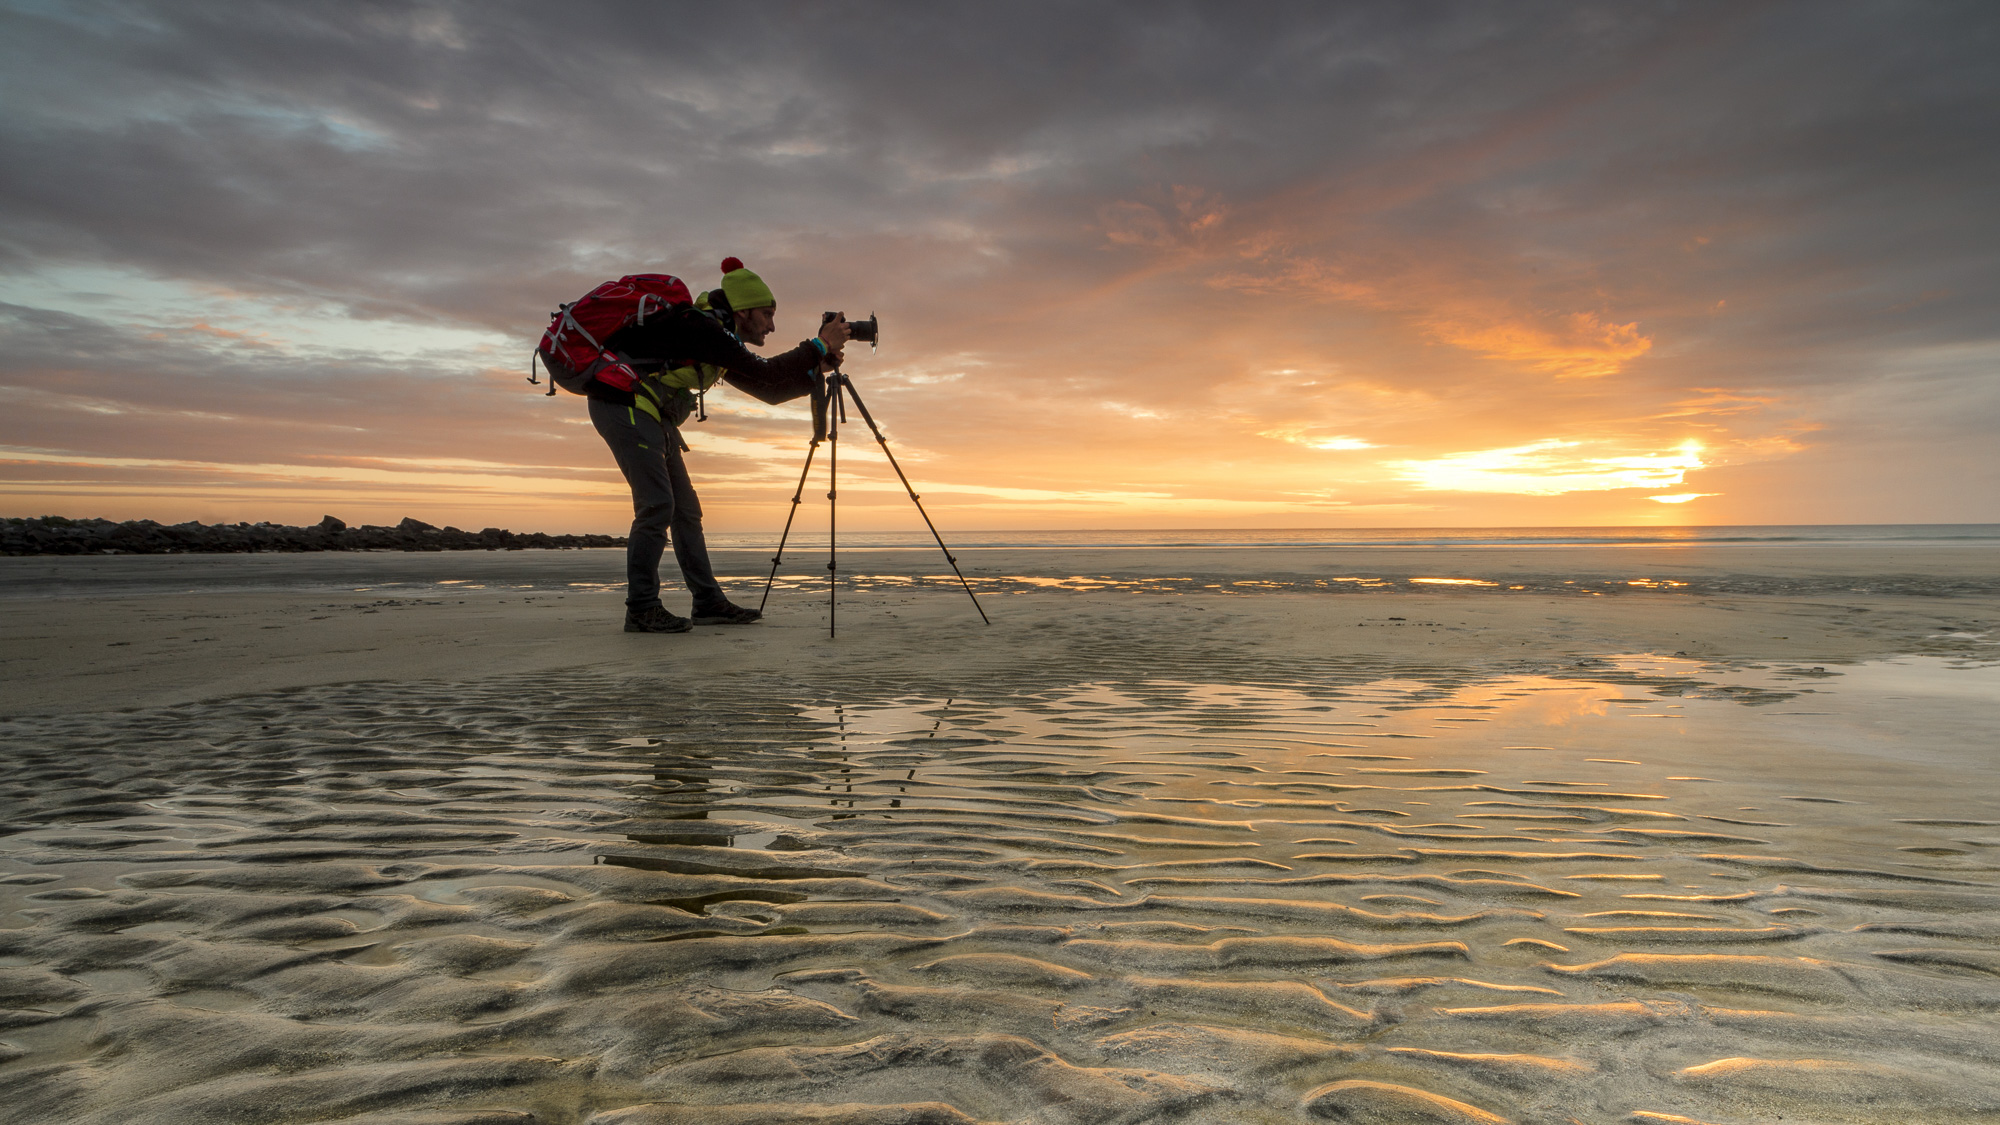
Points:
(111, 632)
(384, 838)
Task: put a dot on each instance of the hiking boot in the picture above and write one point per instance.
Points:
(726, 614)
(655, 619)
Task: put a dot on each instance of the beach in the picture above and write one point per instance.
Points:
(1192, 833)
(112, 631)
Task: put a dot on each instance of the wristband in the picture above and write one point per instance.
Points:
(818, 343)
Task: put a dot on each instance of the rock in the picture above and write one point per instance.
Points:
(58, 535)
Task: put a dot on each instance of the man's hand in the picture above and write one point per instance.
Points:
(833, 334)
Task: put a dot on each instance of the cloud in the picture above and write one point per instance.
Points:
(275, 234)
(1461, 312)
(1579, 345)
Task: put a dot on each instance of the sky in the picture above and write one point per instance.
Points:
(1145, 265)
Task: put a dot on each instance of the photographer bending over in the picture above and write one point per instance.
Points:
(680, 355)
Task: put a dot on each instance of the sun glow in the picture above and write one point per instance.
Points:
(1550, 467)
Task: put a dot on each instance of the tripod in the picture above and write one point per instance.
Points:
(829, 409)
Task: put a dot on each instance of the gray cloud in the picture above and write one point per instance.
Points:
(345, 145)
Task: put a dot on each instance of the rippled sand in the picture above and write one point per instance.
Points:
(1646, 890)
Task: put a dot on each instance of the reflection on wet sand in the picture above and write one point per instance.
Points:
(1352, 896)
(1758, 584)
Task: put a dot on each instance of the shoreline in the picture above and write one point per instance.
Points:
(118, 633)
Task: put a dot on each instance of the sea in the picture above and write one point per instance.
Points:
(1348, 537)
(1498, 559)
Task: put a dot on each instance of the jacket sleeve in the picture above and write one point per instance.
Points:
(692, 336)
(774, 387)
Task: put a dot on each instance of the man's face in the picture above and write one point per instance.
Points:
(755, 324)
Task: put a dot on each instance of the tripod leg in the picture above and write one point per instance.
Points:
(914, 498)
(832, 511)
(798, 497)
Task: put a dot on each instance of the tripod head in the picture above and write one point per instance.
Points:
(826, 396)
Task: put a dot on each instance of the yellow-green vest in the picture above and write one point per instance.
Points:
(673, 393)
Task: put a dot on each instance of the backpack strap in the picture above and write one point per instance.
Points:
(569, 322)
(655, 299)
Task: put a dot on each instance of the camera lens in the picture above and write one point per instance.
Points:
(866, 331)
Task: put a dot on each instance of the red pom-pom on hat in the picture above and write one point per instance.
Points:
(744, 289)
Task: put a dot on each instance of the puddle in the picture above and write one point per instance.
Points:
(1663, 889)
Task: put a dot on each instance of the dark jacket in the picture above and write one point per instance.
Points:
(688, 335)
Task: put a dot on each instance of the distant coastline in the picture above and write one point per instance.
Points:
(58, 535)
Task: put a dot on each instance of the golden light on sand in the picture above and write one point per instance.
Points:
(1452, 582)
(1550, 467)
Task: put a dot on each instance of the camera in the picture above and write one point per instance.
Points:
(866, 331)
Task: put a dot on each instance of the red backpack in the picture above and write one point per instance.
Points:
(572, 349)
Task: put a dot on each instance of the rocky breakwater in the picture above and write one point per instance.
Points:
(56, 535)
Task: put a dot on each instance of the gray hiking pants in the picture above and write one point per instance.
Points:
(649, 454)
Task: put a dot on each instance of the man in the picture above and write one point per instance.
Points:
(640, 427)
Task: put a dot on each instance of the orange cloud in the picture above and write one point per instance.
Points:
(1452, 311)
(1191, 213)
(1577, 346)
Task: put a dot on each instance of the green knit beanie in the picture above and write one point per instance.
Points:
(744, 289)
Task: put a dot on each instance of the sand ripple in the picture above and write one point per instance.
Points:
(574, 900)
